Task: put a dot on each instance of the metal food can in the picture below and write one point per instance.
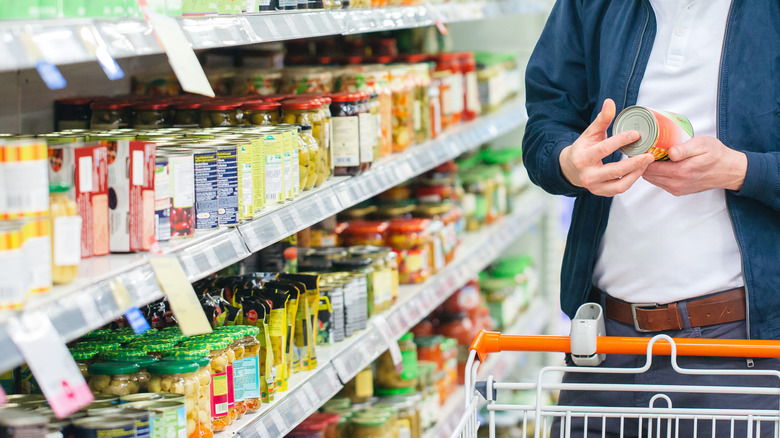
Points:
(104, 427)
(13, 268)
(206, 188)
(24, 179)
(142, 418)
(131, 398)
(168, 418)
(16, 423)
(105, 398)
(658, 130)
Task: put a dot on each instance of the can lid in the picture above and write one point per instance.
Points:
(20, 418)
(638, 119)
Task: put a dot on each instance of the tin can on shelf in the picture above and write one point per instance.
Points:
(658, 130)
(104, 427)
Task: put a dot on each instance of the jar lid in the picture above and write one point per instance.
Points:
(366, 227)
(301, 104)
(408, 336)
(328, 417)
(96, 333)
(122, 338)
(58, 187)
(108, 105)
(123, 355)
(316, 264)
(365, 250)
(395, 391)
(82, 354)
(276, 97)
(173, 328)
(338, 403)
(75, 101)
(210, 344)
(345, 97)
(172, 367)
(220, 106)
(327, 251)
(436, 209)
(112, 368)
(312, 424)
(149, 106)
(447, 57)
(150, 346)
(260, 106)
(142, 362)
(249, 330)
(182, 352)
(428, 341)
(417, 58)
(501, 156)
(372, 421)
(97, 346)
(409, 225)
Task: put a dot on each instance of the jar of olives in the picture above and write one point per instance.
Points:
(260, 113)
(235, 353)
(250, 366)
(220, 114)
(301, 111)
(186, 114)
(410, 239)
(315, 163)
(107, 115)
(113, 378)
(218, 368)
(178, 377)
(200, 357)
(138, 357)
(83, 359)
(149, 115)
(345, 108)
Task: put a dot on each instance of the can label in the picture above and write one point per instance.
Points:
(162, 200)
(206, 191)
(274, 170)
(228, 186)
(182, 174)
(24, 189)
(36, 246)
(672, 129)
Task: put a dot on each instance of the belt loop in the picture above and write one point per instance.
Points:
(686, 321)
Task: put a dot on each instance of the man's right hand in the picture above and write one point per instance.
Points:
(581, 162)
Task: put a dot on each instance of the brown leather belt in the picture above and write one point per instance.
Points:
(719, 308)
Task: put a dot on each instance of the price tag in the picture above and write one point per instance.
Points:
(97, 47)
(303, 399)
(387, 336)
(137, 320)
(321, 209)
(276, 417)
(269, 23)
(119, 291)
(190, 265)
(291, 25)
(238, 245)
(310, 24)
(211, 256)
(185, 305)
(296, 217)
(181, 57)
(278, 224)
(51, 363)
(261, 430)
(308, 389)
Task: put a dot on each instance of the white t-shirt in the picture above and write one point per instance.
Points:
(659, 248)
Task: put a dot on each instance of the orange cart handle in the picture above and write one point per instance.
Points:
(493, 342)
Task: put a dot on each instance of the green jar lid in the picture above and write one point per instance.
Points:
(369, 421)
(406, 337)
(394, 391)
(97, 346)
(173, 328)
(182, 352)
(165, 336)
(501, 156)
(59, 187)
(123, 355)
(209, 344)
(250, 330)
(510, 267)
(142, 362)
(338, 403)
(202, 361)
(96, 333)
(152, 347)
(112, 368)
(82, 354)
(122, 338)
(172, 367)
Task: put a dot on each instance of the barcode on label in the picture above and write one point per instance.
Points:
(221, 407)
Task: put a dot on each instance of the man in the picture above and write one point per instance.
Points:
(695, 236)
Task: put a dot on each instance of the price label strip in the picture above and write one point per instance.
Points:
(184, 303)
(181, 57)
(281, 426)
(50, 361)
(261, 430)
(386, 333)
(308, 389)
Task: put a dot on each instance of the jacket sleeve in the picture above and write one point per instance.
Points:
(556, 98)
(762, 180)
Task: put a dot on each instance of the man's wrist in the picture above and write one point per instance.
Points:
(738, 171)
(564, 160)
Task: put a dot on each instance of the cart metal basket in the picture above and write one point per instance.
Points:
(658, 419)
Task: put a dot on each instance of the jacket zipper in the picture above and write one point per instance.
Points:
(721, 134)
(625, 100)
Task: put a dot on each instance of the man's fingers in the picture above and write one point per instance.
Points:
(622, 168)
(618, 186)
(602, 121)
(690, 148)
(606, 147)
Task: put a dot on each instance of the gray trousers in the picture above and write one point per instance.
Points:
(661, 372)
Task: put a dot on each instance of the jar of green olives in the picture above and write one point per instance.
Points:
(186, 114)
(260, 113)
(220, 114)
(107, 115)
(113, 378)
(150, 115)
(315, 166)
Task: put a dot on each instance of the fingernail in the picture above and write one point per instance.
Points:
(633, 135)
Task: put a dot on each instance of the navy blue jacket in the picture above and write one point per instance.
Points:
(591, 50)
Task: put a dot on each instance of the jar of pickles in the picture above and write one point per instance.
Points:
(410, 239)
(250, 367)
(420, 113)
(108, 115)
(345, 108)
(395, 210)
(64, 220)
(448, 67)
(260, 113)
(403, 100)
(83, 360)
(313, 163)
(218, 367)
(381, 279)
(149, 115)
(113, 378)
(449, 214)
(220, 114)
(378, 83)
(179, 377)
(364, 233)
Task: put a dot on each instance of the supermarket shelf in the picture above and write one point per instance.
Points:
(63, 41)
(342, 361)
(531, 321)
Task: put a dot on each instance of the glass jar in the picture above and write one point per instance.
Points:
(420, 111)
(324, 139)
(218, 368)
(219, 114)
(302, 162)
(449, 214)
(203, 374)
(359, 212)
(149, 115)
(367, 128)
(364, 233)
(468, 69)
(429, 349)
(395, 210)
(386, 375)
(378, 83)
(186, 114)
(252, 396)
(260, 113)
(477, 199)
(141, 377)
(315, 165)
(403, 100)
(410, 239)
(72, 113)
(427, 386)
(83, 359)
(409, 408)
(113, 378)
(361, 388)
(64, 220)
(179, 377)
(235, 353)
(448, 69)
(312, 427)
(369, 427)
(511, 162)
(434, 105)
(345, 108)
(108, 115)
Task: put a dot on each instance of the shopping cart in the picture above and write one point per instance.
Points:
(658, 419)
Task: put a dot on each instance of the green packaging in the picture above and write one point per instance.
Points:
(19, 9)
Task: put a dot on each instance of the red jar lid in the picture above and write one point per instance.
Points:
(109, 105)
(366, 227)
(382, 59)
(220, 106)
(345, 97)
(416, 58)
(353, 60)
(364, 95)
(301, 104)
(325, 60)
(441, 57)
(464, 55)
(191, 105)
(330, 418)
(149, 106)
(75, 101)
(423, 191)
(277, 97)
(408, 225)
(449, 166)
(261, 106)
(312, 425)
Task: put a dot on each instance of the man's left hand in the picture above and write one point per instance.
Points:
(700, 164)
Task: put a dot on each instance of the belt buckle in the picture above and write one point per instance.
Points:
(634, 306)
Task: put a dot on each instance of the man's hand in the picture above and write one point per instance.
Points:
(699, 164)
(581, 162)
